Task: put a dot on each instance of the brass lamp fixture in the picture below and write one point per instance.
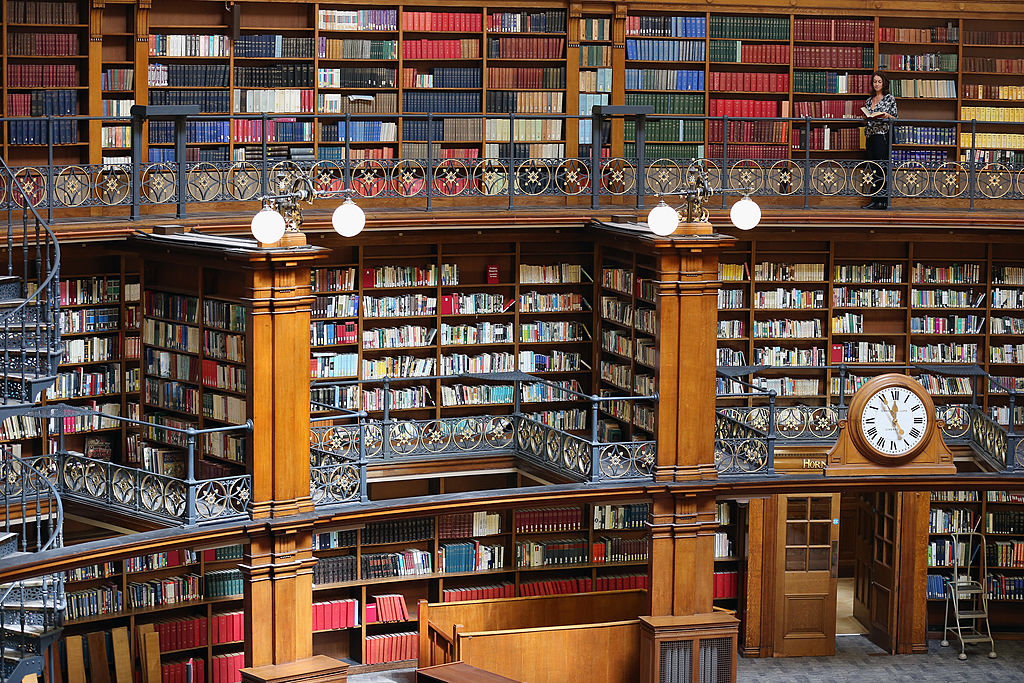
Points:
(663, 220)
(278, 223)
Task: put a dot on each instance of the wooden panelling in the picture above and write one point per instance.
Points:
(558, 654)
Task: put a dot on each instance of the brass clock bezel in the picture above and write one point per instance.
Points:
(860, 399)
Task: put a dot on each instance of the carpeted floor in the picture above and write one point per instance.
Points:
(856, 661)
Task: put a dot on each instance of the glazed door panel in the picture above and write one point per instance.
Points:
(807, 562)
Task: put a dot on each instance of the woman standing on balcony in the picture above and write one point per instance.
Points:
(879, 110)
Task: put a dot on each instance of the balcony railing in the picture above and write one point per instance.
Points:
(747, 434)
(796, 176)
(139, 491)
(343, 446)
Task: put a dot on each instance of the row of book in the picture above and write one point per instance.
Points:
(843, 30)
(34, 12)
(441, 77)
(42, 76)
(357, 19)
(275, 76)
(392, 647)
(932, 61)
(388, 608)
(550, 21)
(188, 75)
(337, 48)
(335, 614)
(36, 132)
(42, 43)
(748, 81)
(567, 585)
(736, 51)
(725, 585)
(653, 50)
(669, 27)
(502, 101)
(830, 82)
(950, 33)
(526, 77)
(43, 103)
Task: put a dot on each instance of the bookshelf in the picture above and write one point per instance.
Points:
(368, 580)
(998, 515)
(194, 369)
(418, 311)
(192, 598)
(47, 75)
(386, 568)
(99, 320)
(868, 305)
(628, 351)
(728, 556)
(308, 65)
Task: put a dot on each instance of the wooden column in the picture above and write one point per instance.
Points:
(688, 323)
(683, 525)
(278, 567)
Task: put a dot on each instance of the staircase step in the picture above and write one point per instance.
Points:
(971, 614)
(14, 604)
(8, 543)
(975, 639)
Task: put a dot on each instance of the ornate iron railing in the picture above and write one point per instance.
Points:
(810, 174)
(1002, 447)
(165, 498)
(343, 446)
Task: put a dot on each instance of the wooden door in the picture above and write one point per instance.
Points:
(876, 596)
(862, 559)
(806, 575)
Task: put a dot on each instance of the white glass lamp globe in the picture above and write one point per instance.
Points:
(348, 219)
(663, 220)
(745, 214)
(267, 226)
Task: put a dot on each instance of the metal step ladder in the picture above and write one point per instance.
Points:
(966, 597)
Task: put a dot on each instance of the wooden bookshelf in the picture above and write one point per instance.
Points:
(998, 515)
(449, 309)
(868, 305)
(368, 580)
(326, 61)
(195, 366)
(628, 345)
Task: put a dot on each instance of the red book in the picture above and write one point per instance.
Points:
(368, 279)
(837, 353)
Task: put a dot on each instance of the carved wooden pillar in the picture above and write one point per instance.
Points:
(688, 323)
(683, 525)
(278, 567)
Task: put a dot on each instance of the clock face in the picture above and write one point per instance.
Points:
(894, 421)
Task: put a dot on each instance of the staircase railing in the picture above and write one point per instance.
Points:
(31, 610)
(29, 333)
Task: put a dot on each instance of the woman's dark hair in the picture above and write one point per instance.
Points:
(885, 83)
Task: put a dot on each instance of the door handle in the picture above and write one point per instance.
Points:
(835, 560)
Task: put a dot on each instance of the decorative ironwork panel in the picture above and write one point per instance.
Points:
(218, 499)
(618, 176)
(333, 484)
(71, 186)
(950, 179)
(784, 177)
(204, 182)
(572, 177)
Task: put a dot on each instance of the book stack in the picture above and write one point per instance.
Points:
(503, 590)
(184, 670)
(726, 585)
(225, 667)
(336, 614)
(182, 633)
(336, 569)
(391, 647)
(223, 583)
(227, 627)
(387, 608)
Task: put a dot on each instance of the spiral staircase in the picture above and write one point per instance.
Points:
(31, 610)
